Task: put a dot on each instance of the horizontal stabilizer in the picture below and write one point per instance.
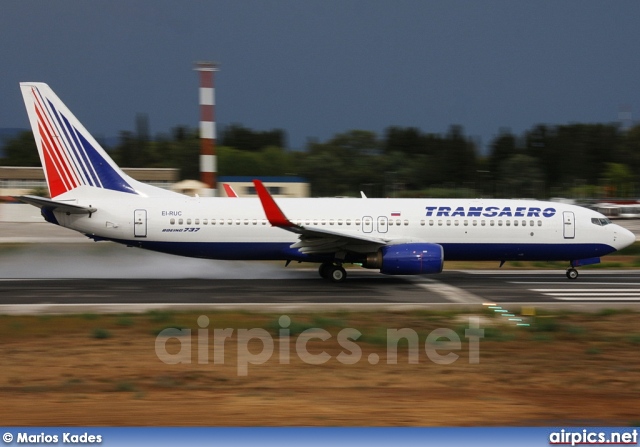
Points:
(54, 205)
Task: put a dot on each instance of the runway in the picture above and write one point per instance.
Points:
(304, 290)
(105, 277)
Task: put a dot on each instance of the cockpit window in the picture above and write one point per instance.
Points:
(602, 221)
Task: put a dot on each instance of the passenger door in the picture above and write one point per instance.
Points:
(140, 223)
(569, 225)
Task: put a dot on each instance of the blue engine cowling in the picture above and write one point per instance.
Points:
(411, 259)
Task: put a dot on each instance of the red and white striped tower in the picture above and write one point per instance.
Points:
(207, 127)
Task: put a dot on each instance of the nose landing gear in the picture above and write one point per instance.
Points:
(572, 273)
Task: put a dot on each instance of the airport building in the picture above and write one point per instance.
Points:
(278, 186)
(18, 180)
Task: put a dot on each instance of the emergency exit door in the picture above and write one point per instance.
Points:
(140, 223)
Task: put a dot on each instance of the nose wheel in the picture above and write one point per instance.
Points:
(572, 273)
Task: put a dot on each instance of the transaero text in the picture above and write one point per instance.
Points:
(489, 211)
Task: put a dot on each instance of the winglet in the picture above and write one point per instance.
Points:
(229, 190)
(274, 214)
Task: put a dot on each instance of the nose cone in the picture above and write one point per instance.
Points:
(622, 237)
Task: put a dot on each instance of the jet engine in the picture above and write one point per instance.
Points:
(407, 259)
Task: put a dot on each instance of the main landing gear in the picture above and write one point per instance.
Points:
(572, 273)
(332, 272)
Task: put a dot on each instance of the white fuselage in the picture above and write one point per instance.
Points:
(223, 228)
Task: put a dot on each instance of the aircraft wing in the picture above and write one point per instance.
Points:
(313, 239)
(54, 205)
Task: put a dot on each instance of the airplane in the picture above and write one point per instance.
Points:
(228, 189)
(92, 195)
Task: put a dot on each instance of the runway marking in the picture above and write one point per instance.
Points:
(447, 291)
(584, 294)
(585, 290)
(572, 284)
(609, 294)
(110, 308)
(596, 298)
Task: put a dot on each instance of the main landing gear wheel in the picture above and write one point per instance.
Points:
(324, 270)
(572, 273)
(332, 272)
(337, 273)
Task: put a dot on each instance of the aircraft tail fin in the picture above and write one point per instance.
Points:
(70, 156)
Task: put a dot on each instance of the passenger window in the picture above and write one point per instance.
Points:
(430, 223)
(524, 223)
(466, 223)
(455, 222)
(539, 223)
(448, 223)
(340, 222)
(499, 223)
(357, 222)
(530, 223)
(179, 221)
(398, 222)
(482, 223)
(515, 223)
(172, 221)
(508, 223)
(422, 222)
(390, 223)
(406, 222)
(255, 221)
(204, 221)
(492, 223)
(246, 221)
(348, 221)
(197, 222)
(188, 221)
(439, 223)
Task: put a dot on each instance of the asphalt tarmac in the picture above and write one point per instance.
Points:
(304, 290)
(105, 277)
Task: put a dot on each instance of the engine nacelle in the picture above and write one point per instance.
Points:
(407, 259)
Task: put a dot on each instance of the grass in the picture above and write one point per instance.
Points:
(100, 334)
(546, 326)
(124, 387)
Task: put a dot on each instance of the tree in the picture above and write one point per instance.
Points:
(619, 179)
(21, 151)
(502, 147)
(242, 138)
(521, 176)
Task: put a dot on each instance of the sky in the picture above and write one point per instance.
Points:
(316, 68)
